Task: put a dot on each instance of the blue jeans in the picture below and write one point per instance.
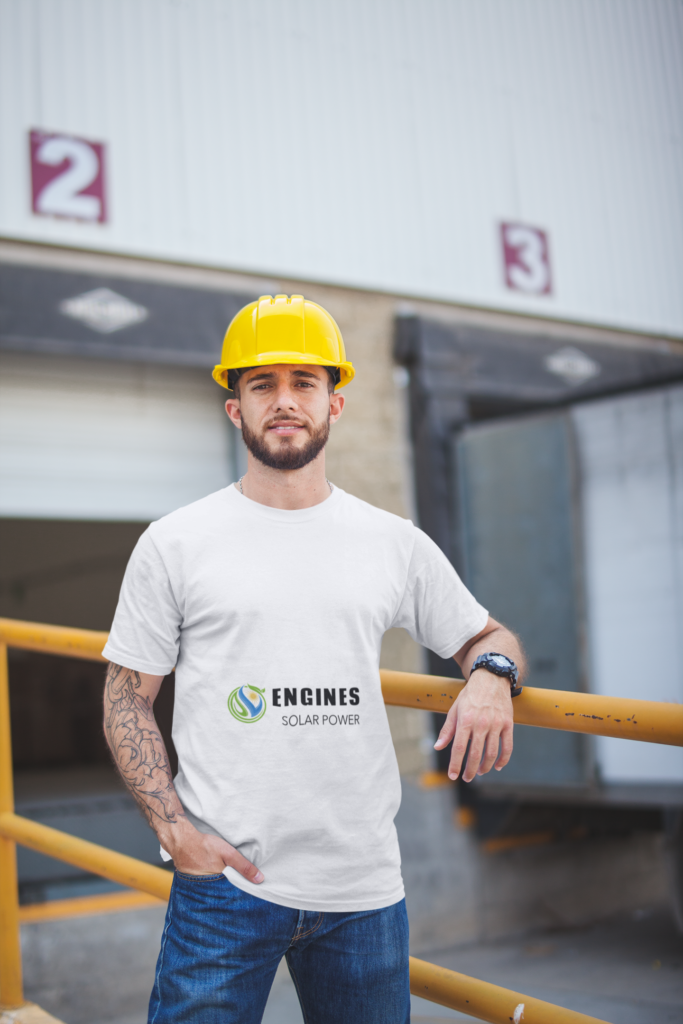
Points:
(221, 948)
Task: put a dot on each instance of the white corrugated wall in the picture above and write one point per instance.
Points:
(369, 142)
(92, 439)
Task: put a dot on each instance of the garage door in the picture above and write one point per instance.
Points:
(93, 439)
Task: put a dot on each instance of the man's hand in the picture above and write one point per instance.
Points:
(196, 853)
(482, 714)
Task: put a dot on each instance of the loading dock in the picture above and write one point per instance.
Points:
(551, 473)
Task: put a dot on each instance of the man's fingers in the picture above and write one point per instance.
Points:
(474, 757)
(234, 859)
(505, 748)
(490, 753)
(462, 738)
(447, 730)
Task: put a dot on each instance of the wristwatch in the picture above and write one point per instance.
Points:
(500, 665)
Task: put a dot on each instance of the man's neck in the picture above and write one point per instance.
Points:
(293, 489)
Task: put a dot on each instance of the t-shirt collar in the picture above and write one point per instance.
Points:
(284, 515)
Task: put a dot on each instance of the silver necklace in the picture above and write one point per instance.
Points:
(242, 489)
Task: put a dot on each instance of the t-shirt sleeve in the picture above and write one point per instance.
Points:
(437, 609)
(145, 634)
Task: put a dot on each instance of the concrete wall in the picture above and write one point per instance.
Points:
(458, 893)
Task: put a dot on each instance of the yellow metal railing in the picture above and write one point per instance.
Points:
(554, 709)
(652, 721)
(647, 720)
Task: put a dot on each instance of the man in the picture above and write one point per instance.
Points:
(270, 598)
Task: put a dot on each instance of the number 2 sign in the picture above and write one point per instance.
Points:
(67, 177)
(526, 258)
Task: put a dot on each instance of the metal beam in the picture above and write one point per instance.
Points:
(646, 720)
(485, 1001)
(11, 986)
(117, 867)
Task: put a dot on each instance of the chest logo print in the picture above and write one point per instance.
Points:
(247, 704)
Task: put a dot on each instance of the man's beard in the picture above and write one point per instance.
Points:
(286, 455)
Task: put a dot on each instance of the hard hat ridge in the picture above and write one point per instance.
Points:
(282, 329)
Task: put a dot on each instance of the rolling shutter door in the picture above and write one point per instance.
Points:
(108, 440)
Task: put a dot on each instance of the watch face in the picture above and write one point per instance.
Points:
(499, 664)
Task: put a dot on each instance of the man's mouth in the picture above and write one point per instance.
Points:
(285, 428)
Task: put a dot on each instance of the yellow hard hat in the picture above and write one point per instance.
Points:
(282, 330)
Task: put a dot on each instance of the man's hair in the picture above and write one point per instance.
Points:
(234, 376)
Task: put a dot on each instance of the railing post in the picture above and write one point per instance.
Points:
(11, 989)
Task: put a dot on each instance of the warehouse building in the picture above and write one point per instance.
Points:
(485, 197)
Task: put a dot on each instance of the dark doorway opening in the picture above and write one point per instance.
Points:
(69, 573)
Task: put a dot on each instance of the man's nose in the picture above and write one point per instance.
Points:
(284, 397)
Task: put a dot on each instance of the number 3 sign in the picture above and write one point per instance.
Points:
(67, 177)
(526, 258)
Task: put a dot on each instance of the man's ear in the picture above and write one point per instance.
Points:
(337, 402)
(232, 407)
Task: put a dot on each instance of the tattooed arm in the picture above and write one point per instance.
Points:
(140, 755)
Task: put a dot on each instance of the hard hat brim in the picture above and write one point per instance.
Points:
(346, 370)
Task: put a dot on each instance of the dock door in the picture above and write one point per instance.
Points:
(550, 470)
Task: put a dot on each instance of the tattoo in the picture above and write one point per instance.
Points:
(137, 746)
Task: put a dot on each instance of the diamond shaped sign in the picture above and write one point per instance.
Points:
(572, 365)
(104, 310)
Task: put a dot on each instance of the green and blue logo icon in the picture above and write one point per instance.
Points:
(247, 704)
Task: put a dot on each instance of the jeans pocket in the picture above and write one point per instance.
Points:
(198, 878)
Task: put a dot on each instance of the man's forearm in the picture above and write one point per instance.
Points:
(140, 756)
(138, 749)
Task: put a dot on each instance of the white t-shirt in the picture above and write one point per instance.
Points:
(273, 620)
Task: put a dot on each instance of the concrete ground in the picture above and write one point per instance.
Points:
(628, 970)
